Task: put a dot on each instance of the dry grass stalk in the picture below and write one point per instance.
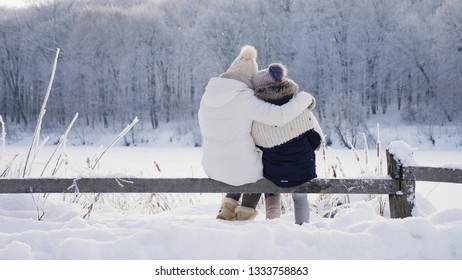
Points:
(3, 137)
(98, 196)
(33, 150)
(62, 140)
(116, 139)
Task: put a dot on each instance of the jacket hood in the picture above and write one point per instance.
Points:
(277, 91)
(221, 91)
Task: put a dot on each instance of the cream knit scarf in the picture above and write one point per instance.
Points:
(268, 136)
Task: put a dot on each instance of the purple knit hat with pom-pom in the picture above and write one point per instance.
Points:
(275, 73)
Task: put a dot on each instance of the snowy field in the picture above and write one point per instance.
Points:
(191, 232)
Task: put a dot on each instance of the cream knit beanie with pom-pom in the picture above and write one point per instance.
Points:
(245, 65)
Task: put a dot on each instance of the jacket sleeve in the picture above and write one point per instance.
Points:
(314, 139)
(271, 114)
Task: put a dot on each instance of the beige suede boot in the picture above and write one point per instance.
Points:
(228, 205)
(245, 213)
(273, 206)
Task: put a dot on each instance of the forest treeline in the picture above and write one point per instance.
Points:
(152, 59)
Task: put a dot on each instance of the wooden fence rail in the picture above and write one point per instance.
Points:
(399, 185)
(432, 174)
(191, 185)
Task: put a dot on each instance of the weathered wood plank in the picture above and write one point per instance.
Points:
(401, 205)
(432, 174)
(191, 185)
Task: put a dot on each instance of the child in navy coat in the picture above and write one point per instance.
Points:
(288, 151)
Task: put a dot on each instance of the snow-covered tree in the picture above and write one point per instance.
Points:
(152, 59)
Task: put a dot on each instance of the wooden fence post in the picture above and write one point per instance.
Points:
(401, 204)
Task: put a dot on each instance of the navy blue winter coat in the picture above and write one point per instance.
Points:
(294, 162)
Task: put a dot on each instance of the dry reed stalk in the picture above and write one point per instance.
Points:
(33, 150)
(62, 140)
(8, 167)
(356, 154)
(3, 137)
(116, 139)
(379, 155)
(366, 150)
(98, 196)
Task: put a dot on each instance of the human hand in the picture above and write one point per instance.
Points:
(312, 100)
(313, 104)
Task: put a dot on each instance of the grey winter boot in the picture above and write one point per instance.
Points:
(245, 213)
(301, 208)
(273, 206)
(228, 205)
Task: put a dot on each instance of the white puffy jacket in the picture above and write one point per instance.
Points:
(226, 112)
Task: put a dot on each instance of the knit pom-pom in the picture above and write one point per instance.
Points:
(277, 71)
(248, 52)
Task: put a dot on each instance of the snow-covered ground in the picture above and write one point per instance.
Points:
(191, 232)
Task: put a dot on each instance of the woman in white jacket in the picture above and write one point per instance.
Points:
(227, 110)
